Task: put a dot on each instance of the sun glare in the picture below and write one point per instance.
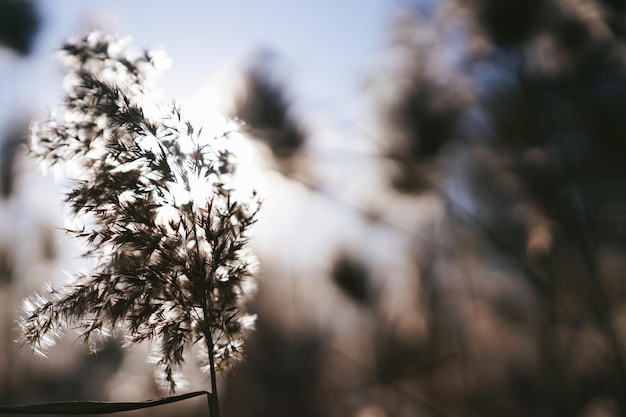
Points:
(206, 110)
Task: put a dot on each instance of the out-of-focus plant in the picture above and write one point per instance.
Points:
(161, 222)
(19, 23)
(508, 116)
(266, 111)
(531, 171)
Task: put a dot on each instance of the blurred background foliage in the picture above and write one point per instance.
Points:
(467, 261)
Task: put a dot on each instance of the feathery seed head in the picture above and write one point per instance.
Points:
(167, 235)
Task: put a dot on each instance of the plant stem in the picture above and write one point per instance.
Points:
(215, 403)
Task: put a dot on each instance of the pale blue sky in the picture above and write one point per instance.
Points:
(327, 48)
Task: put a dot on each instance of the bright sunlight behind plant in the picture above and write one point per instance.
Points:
(166, 231)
